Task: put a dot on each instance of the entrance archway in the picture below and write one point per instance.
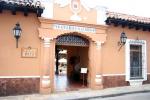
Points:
(71, 55)
(50, 34)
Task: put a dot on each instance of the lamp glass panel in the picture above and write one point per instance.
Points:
(14, 32)
(124, 40)
(17, 32)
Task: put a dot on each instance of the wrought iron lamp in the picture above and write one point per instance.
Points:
(17, 33)
(123, 39)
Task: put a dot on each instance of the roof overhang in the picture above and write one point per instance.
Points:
(25, 6)
(132, 22)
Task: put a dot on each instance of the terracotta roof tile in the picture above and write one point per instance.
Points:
(25, 6)
(33, 3)
(128, 17)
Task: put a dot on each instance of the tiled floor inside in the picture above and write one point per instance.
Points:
(62, 83)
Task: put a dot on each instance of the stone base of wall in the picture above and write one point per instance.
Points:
(114, 81)
(17, 86)
(148, 80)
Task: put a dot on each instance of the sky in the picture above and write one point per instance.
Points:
(132, 7)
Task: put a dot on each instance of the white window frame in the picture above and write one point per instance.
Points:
(144, 60)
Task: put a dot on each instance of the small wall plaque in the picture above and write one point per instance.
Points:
(83, 70)
(29, 52)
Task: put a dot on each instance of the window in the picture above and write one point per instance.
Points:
(136, 60)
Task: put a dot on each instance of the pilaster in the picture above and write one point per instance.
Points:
(96, 65)
(46, 66)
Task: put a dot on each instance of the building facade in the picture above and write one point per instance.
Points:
(89, 33)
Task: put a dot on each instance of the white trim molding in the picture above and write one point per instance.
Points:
(113, 74)
(98, 44)
(47, 42)
(98, 79)
(144, 61)
(19, 76)
(117, 74)
(46, 81)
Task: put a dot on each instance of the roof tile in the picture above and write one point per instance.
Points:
(128, 17)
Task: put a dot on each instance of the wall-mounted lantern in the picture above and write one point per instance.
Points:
(123, 39)
(17, 33)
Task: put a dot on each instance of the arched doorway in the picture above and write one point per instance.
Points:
(71, 55)
(50, 34)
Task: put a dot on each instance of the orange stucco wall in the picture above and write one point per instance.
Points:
(101, 57)
(113, 59)
(11, 62)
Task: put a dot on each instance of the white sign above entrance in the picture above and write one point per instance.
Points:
(74, 28)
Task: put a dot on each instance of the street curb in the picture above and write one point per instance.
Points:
(112, 95)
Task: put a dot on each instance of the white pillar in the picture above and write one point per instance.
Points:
(46, 63)
(96, 65)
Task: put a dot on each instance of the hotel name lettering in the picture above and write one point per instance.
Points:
(74, 28)
(136, 42)
(29, 52)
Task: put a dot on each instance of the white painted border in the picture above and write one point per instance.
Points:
(19, 76)
(39, 76)
(117, 74)
(113, 75)
(127, 58)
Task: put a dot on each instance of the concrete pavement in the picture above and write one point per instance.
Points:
(83, 94)
(135, 96)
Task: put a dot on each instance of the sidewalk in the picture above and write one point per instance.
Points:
(83, 94)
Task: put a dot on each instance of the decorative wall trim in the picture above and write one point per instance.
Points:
(99, 44)
(72, 40)
(127, 57)
(47, 42)
(113, 74)
(74, 28)
(87, 4)
(117, 74)
(39, 76)
(19, 76)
